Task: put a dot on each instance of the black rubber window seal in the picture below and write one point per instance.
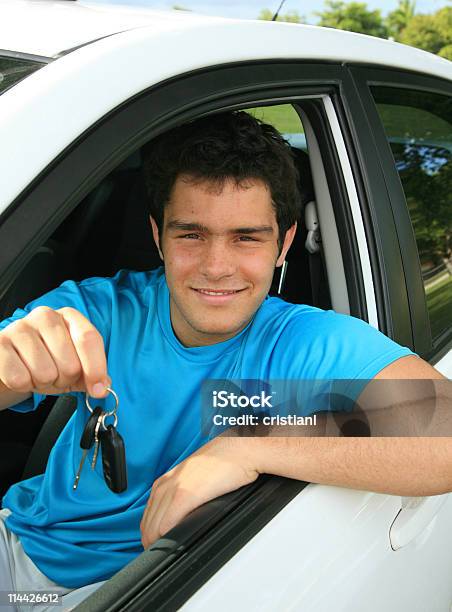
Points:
(168, 573)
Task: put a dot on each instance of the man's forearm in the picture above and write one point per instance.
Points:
(397, 466)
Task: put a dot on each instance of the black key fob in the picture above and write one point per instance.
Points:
(114, 459)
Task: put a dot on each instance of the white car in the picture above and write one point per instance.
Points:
(82, 88)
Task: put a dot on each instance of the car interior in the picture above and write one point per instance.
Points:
(110, 230)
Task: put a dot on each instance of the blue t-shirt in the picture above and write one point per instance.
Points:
(81, 536)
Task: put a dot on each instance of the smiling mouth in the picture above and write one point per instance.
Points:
(216, 292)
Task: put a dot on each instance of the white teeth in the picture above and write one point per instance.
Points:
(216, 292)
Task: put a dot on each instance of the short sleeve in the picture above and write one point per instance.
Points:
(333, 345)
(342, 353)
(372, 352)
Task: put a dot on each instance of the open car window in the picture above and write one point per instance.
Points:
(107, 229)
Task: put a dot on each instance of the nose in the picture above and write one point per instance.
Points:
(217, 260)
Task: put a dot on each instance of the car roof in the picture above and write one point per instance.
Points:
(52, 28)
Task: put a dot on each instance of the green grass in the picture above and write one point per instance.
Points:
(408, 122)
(439, 305)
(282, 116)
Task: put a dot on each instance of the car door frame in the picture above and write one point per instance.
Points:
(42, 206)
(364, 78)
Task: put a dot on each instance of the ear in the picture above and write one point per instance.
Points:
(288, 239)
(155, 234)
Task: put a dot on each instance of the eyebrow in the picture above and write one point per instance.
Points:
(197, 227)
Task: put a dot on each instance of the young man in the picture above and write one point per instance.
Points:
(224, 207)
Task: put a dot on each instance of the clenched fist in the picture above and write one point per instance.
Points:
(51, 352)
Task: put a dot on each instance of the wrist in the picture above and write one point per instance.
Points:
(248, 452)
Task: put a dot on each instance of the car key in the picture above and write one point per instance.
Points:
(88, 438)
(96, 443)
(113, 459)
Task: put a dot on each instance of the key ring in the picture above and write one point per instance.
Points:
(104, 416)
(110, 390)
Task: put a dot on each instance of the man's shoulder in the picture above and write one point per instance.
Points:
(312, 324)
(305, 340)
(279, 314)
(125, 280)
(125, 287)
(94, 297)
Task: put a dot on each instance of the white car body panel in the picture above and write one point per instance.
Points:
(329, 549)
(58, 26)
(444, 365)
(49, 28)
(70, 94)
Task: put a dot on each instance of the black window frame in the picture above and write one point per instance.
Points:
(365, 78)
(42, 206)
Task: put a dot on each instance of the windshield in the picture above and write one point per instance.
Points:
(14, 69)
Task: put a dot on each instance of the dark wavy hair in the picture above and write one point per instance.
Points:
(220, 147)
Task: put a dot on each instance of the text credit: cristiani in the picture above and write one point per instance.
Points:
(254, 419)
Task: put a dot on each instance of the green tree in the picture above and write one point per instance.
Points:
(431, 32)
(398, 19)
(290, 17)
(446, 52)
(354, 17)
(429, 200)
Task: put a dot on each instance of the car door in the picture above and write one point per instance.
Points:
(293, 536)
(367, 550)
(34, 214)
(412, 124)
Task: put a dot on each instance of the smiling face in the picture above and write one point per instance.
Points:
(220, 249)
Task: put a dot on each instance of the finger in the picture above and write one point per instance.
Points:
(34, 355)
(55, 336)
(13, 372)
(90, 349)
(169, 504)
(181, 504)
(154, 514)
(147, 517)
(145, 540)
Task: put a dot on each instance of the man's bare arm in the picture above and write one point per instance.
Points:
(412, 466)
(398, 466)
(389, 406)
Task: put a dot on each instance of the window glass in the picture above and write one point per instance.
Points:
(13, 70)
(418, 125)
(285, 119)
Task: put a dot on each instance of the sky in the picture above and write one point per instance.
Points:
(250, 9)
